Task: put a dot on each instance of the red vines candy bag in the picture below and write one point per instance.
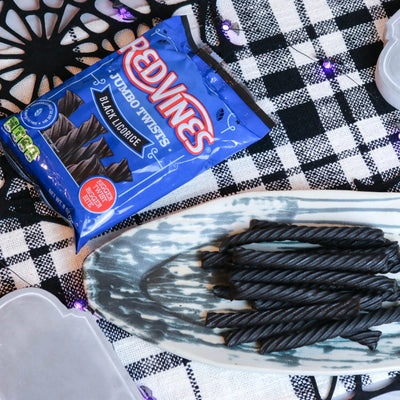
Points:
(131, 128)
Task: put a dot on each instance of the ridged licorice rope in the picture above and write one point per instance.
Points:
(214, 259)
(294, 294)
(261, 305)
(368, 337)
(375, 302)
(334, 288)
(332, 260)
(337, 310)
(331, 236)
(330, 330)
(356, 281)
(249, 334)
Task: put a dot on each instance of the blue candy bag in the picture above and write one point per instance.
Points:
(131, 128)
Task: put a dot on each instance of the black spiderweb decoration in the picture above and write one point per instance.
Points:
(35, 44)
(306, 387)
(158, 10)
(210, 20)
(208, 16)
(42, 46)
(19, 201)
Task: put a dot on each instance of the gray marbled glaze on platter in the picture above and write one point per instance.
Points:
(149, 281)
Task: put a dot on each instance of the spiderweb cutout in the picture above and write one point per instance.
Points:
(45, 42)
(206, 11)
(306, 387)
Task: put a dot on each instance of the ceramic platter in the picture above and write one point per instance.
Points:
(149, 281)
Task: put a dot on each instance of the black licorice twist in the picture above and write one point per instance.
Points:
(262, 305)
(368, 337)
(119, 171)
(390, 249)
(86, 168)
(388, 296)
(69, 103)
(224, 291)
(337, 236)
(331, 230)
(85, 133)
(251, 334)
(99, 148)
(313, 260)
(337, 310)
(293, 294)
(60, 128)
(331, 330)
(368, 303)
(354, 281)
(214, 259)
(256, 333)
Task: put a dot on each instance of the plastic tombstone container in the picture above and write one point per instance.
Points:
(48, 352)
(387, 74)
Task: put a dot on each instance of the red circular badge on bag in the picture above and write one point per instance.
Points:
(97, 194)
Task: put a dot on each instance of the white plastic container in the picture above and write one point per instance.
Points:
(387, 74)
(48, 352)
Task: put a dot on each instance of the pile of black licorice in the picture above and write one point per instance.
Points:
(301, 297)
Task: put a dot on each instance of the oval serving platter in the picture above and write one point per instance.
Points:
(149, 281)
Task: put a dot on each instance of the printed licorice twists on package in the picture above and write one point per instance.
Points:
(165, 111)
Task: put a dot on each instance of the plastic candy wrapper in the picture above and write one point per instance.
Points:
(131, 128)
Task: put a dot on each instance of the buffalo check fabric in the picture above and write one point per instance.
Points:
(332, 129)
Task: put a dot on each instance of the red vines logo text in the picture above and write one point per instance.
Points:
(185, 113)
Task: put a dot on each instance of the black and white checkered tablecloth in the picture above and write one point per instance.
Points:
(331, 131)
